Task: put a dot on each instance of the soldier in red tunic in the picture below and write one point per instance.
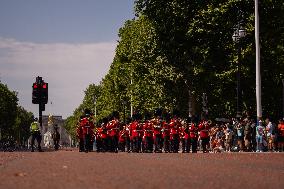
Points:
(184, 137)
(166, 135)
(193, 134)
(123, 138)
(87, 127)
(204, 135)
(174, 134)
(80, 136)
(148, 136)
(136, 130)
(101, 136)
(157, 134)
(113, 132)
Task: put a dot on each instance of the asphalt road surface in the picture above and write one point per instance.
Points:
(71, 169)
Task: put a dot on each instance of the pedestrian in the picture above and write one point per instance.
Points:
(228, 137)
(35, 131)
(56, 137)
(270, 129)
(259, 137)
(247, 135)
(281, 135)
(240, 135)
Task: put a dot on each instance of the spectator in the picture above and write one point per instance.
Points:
(281, 135)
(247, 135)
(240, 135)
(270, 129)
(259, 137)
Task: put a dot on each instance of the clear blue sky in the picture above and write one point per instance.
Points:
(63, 20)
(70, 43)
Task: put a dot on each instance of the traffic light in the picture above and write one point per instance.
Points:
(36, 93)
(44, 93)
(40, 92)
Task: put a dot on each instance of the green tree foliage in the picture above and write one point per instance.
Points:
(8, 110)
(197, 36)
(14, 120)
(21, 129)
(177, 50)
(140, 73)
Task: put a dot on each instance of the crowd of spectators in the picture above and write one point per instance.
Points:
(244, 135)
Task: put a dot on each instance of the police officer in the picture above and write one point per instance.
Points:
(35, 131)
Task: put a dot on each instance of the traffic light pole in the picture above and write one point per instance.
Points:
(40, 114)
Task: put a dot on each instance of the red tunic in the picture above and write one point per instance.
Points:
(133, 129)
(157, 127)
(148, 129)
(174, 127)
(87, 127)
(79, 131)
(193, 131)
(184, 133)
(123, 135)
(204, 130)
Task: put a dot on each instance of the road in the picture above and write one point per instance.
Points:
(71, 169)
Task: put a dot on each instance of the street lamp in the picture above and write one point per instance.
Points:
(283, 98)
(204, 106)
(239, 33)
(95, 102)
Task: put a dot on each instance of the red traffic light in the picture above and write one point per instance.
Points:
(44, 86)
(35, 86)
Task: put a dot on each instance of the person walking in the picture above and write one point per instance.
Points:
(56, 137)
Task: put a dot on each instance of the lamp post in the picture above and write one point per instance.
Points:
(95, 102)
(283, 98)
(238, 34)
(204, 106)
(257, 64)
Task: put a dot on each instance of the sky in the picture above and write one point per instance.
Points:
(69, 43)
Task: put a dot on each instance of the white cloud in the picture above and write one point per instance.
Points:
(68, 68)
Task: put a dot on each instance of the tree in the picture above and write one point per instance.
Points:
(196, 37)
(22, 125)
(8, 110)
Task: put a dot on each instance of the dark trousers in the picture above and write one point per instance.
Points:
(185, 145)
(113, 143)
(102, 144)
(121, 146)
(81, 145)
(128, 144)
(36, 136)
(87, 143)
(56, 144)
(204, 143)
(99, 144)
(194, 145)
(149, 144)
(175, 143)
(137, 144)
(158, 143)
(167, 143)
